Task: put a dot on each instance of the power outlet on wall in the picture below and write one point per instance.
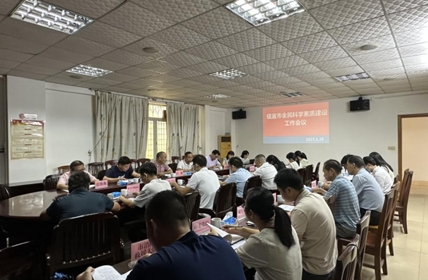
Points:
(391, 148)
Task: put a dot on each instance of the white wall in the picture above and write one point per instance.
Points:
(217, 122)
(68, 116)
(350, 132)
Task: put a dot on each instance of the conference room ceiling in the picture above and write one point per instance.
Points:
(194, 38)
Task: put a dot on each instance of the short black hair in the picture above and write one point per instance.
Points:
(272, 159)
(200, 160)
(333, 164)
(237, 162)
(124, 160)
(159, 154)
(187, 153)
(79, 179)
(345, 159)
(215, 152)
(357, 160)
(148, 168)
(230, 153)
(244, 153)
(75, 164)
(288, 178)
(167, 208)
(291, 156)
(369, 160)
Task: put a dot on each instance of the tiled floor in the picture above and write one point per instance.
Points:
(410, 261)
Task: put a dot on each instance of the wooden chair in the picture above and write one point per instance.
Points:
(224, 202)
(376, 242)
(175, 159)
(4, 192)
(101, 174)
(140, 161)
(347, 261)
(309, 170)
(316, 173)
(110, 163)
(50, 182)
(331, 202)
(64, 168)
(83, 241)
(403, 200)
(192, 201)
(134, 164)
(302, 173)
(362, 231)
(252, 182)
(173, 166)
(24, 261)
(95, 167)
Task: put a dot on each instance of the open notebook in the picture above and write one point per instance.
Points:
(107, 272)
(231, 238)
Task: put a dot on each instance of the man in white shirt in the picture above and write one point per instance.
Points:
(380, 174)
(266, 171)
(153, 185)
(203, 180)
(186, 164)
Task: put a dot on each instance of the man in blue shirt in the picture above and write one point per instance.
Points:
(122, 170)
(370, 195)
(347, 210)
(180, 253)
(239, 175)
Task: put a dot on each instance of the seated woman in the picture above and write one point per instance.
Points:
(229, 155)
(381, 162)
(273, 250)
(293, 161)
(279, 165)
(245, 157)
(303, 160)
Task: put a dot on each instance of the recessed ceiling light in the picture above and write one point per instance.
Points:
(368, 47)
(292, 94)
(352, 77)
(89, 71)
(228, 74)
(50, 16)
(258, 12)
(217, 96)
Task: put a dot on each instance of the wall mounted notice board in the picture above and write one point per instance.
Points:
(27, 139)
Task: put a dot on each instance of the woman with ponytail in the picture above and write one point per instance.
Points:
(273, 250)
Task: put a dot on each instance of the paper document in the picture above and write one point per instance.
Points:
(286, 207)
(231, 238)
(107, 272)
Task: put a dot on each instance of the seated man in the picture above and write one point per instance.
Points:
(75, 166)
(152, 186)
(239, 175)
(186, 164)
(122, 170)
(266, 171)
(80, 201)
(347, 210)
(370, 195)
(212, 160)
(161, 166)
(180, 253)
(314, 224)
(203, 180)
(380, 174)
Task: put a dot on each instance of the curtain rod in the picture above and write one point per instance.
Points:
(143, 97)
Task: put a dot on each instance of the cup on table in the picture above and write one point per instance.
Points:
(216, 222)
(180, 182)
(172, 175)
(279, 199)
(320, 184)
(124, 192)
(136, 180)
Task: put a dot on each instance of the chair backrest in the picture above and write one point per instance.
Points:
(405, 190)
(347, 261)
(101, 174)
(192, 201)
(362, 231)
(252, 182)
(4, 192)
(175, 159)
(134, 164)
(83, 241)
(397, 187)
(309, 170)
(95, 167)
(302, 173)
(403, 184)
(225, 200)
(317, 170)
(50, 182)
(63, 169)
(381, 234)
(110, 163)
(331, 202)
(173, 166)
(23, 261)
(142, 160)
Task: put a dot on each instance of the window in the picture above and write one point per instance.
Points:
(157, 135)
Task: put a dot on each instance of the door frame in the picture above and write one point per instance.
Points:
(400, 139)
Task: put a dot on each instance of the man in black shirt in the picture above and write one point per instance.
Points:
(80, 201)
(123, 170)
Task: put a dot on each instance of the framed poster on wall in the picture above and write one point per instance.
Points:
(27, 139)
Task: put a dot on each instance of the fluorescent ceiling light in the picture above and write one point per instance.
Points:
(89, 71)
(292, 94)
(258, 12)
(50, 16)
(352, 77)
(228, 74)
(217, 96)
